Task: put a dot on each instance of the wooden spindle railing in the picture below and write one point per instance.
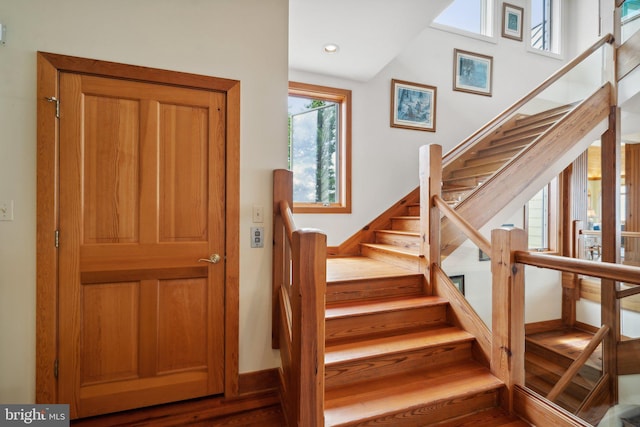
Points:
(504, 348)
(299, 289)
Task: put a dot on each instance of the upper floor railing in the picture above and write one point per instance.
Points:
(560, 88)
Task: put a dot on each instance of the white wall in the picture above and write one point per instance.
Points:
(221, 38)
(385, 159)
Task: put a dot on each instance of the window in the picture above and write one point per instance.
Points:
(473, 16)
(320, 148)
(545, 25)
(540, 218)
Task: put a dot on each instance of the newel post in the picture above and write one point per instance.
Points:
(430, 185)
(507, 349)
(308, 307)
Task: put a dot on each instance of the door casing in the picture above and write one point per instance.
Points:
(49, 66)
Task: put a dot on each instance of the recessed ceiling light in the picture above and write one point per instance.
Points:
(330, 48)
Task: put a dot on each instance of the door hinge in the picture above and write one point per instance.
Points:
(55, 369)
(57, 101)
(57, 238)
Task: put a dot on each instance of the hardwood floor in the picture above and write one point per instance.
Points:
(259, 410)
(257, 406)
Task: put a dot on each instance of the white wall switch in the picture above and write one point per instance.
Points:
(6, 210)
(257, 237)
(258, 213)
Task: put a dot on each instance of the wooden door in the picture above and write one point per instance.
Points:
(142, 195)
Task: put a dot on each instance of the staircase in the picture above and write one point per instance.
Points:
(474, 167)
(393, 354)
(394, 357)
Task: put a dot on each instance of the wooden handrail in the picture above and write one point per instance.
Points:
(287, 219)
(460, 148)
(462, 224)
(573, 369)
(599, 233)
(604, 270)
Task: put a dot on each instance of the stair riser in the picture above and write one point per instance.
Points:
(406, 224)
(484, 168)
(505, 146)
(400, 240)
(378, 288)
(409, 262)
(452, 184)
(454, 195)
(588, 372)
(414, 210)
(432, 412)
(387, 322)
(528, 129)
(575, 390)
(502, 158)
(554, 114)
(587, 377)
(565, 400)
(343, 373)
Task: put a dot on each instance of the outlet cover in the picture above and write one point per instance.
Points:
(257, 237)
(6, 210)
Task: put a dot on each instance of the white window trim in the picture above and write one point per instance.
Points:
(559, 30)
(489, 22)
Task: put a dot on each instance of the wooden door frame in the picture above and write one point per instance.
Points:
(50, 66)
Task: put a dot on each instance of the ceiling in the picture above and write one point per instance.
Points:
(369, 33)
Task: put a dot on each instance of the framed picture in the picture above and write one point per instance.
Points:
(512, 21)
(472, 72)
(458, 281)
(482, 256)
(413, 106)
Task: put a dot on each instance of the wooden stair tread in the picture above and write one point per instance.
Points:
(362, 268)
(361, 349)
(351, 308)
(397, 394)
(400, 232)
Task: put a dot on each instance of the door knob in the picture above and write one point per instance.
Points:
(213, 259)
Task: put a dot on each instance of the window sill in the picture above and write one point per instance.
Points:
(477, 36)
(316, 208)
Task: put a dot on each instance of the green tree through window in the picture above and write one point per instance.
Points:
(318, 148)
